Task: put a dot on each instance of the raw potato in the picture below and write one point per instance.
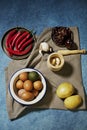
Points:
(73, 102)
(19, 84)
(23, 76)
(28, 85)
(20, 92)
(38, 85)
(65, 90)
(35, 92)
(27, 96)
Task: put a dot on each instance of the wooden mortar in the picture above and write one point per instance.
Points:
(59, 55)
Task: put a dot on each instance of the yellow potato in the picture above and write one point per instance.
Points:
(65, 90)
(38, 85)
(73, 102)
(23, 76)
(19, 84)
(27, 96)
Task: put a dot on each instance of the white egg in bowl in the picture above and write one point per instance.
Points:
(27, 86)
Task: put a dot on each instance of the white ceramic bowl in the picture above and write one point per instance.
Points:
(13, 89)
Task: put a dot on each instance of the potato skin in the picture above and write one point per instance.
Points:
(27, 96)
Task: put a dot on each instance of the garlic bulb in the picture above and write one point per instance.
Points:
(44, 46)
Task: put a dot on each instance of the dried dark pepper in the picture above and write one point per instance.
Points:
(62, 36)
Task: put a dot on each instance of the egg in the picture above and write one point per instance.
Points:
(19, 84)
(27, 96)
(20, 92)
(38, 85)
(23, 76)
(28, 85)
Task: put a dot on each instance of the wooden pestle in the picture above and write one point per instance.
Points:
(72, 52)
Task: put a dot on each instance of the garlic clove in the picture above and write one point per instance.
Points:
(53, 61)
(57, 61)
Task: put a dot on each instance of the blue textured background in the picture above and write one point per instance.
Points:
(37, 15)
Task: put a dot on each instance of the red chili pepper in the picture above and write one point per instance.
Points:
(16, 52)
(10, 35)
(15, 39)
(26, 44)
(20, 39)
(23, 41)
(11, 40)
(9, 44)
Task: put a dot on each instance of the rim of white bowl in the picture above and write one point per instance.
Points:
(19, 100)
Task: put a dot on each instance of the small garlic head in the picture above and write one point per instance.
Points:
(44, 47)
